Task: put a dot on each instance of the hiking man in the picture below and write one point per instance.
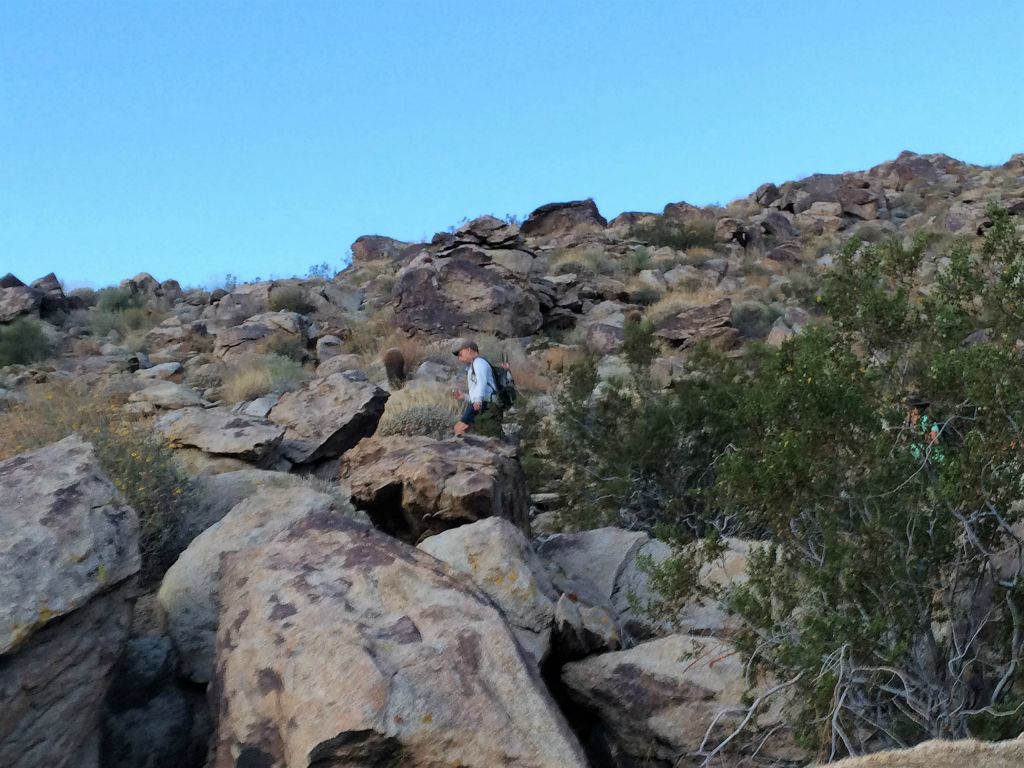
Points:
(480, 381)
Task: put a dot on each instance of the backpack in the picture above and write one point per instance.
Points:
(506, 393)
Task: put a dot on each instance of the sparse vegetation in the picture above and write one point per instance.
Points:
(253, 376)
(674, 234)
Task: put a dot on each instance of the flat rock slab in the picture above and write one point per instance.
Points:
(327, 416)
(167, 395)
(339, 645)
(68, 535)
(414, 487)
(222, 433)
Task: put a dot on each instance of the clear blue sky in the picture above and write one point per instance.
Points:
(193, 139)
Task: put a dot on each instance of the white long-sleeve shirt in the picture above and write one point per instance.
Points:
(480, 380)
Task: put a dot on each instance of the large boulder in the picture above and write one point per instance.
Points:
(677, 697)
(219, 432)
(400, 664)
(51, 294)
(498, 558)
(69, 550)
(190, 592)
(941, 753)
(327, 416)
(376, 248)
(558, 219)
(414, 487)
(456, 294)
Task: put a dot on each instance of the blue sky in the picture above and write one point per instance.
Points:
(194, 139)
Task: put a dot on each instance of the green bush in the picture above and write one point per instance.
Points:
(23, 341)
(117, 299)
(253, 376)
(678, 235)
(290, 298)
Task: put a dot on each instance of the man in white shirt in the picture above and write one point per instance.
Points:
(480, 381)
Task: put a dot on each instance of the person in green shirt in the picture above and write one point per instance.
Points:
(927, 448)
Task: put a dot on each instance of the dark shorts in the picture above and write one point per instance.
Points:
(469, 413)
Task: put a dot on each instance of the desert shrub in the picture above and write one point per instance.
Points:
(628, 453)
(674, 234)
(636, 261)
(138, 463)
(288, 345)
(890, 597)
(290, 298)
(121, 310)
(253, 376)
(23, 341)
(753, 319)
(88, 296)
(117, 299)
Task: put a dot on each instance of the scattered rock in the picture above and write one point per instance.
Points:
(219, 432)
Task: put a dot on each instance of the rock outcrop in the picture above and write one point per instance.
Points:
(219, 432)
(401, 663)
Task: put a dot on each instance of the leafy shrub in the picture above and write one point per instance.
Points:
(637, 260)
(674, 234)
(138, 463)
(290, 298)
(23, 341)
(88, 296)
(753, 319)
(253, 376)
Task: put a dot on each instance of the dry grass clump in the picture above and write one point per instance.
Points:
(698, 255)
(421, 408)
(139, 464)
(675, 301)
(253, 376)
(591, 259)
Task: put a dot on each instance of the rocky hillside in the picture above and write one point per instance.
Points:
(239, 531)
